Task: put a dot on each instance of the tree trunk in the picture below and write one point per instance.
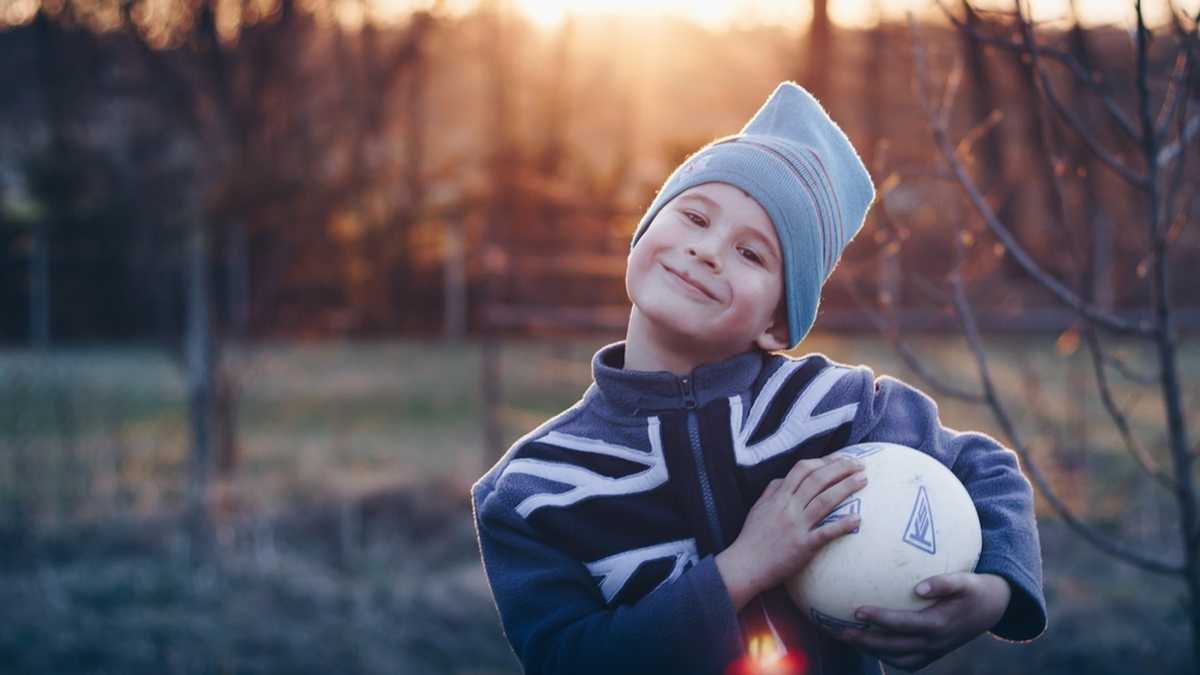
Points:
(887, 280)
(49, 56)
(1098, 277)
(39, 287)
(490, 381)
(200, 382)
(983, 102)
(237, 268)
(503, 168)
(818, 60)
(232, 349)
(454, 295)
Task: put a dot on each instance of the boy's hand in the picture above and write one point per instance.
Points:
(778, 538)
(968, 604)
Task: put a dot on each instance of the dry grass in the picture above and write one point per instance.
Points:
(288, 594)
(346, 540)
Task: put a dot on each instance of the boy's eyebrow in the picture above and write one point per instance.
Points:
(765, 240)
(707, 201)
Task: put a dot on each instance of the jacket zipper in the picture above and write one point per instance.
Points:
(800, 170)
(693, 425)
(710, 506)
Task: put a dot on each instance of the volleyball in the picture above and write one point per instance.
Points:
(916, 521)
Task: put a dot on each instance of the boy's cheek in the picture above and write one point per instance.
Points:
(641, 278)
(635, 277)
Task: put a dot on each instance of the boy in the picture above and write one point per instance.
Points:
(619, 537)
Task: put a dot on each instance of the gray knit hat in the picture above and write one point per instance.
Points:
(800, 167)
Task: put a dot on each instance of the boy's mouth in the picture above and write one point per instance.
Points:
(687, 279)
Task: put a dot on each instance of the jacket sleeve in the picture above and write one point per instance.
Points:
(894, 412)
(556, 620)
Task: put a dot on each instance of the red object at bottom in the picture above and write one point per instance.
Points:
(788, 664)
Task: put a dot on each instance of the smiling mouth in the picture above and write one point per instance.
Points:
(690, 282)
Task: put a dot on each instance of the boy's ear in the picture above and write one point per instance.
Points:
(775, 337)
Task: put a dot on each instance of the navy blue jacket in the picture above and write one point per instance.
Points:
(598, 529)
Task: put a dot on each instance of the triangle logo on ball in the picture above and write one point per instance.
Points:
(919, 531)
(850, 507)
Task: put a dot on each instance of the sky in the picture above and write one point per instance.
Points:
(716, 13)
(842, 12)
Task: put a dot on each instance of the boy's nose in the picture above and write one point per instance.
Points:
(705, 255)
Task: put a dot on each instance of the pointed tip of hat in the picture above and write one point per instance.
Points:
(788, 102)
(789, 86)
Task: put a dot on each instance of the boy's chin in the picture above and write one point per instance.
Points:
(671, 321)
(690, 335)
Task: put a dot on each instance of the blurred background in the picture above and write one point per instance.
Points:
(279, 279)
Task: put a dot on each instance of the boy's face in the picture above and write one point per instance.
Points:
(708, 269)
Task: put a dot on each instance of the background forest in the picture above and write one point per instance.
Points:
(279, 279)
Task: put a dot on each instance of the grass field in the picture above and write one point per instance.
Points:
(346, 537)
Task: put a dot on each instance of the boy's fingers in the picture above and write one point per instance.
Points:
(799, 471)
(826, 475)
(820, 505)
(942, 585)
(771, 488)
(829, 501)
(884, 642)
(899, 621)
(834, 529)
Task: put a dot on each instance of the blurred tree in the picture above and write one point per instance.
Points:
(991, 168)
(1161, 135)
(199, 86)
(387, 167)
(58, 175)
(555, 113)
(878, 222)
(504, 164)
(39, 268)
(818, 51)
(75, 193)
(1098, 283)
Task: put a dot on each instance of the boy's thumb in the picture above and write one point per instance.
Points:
(941, 585)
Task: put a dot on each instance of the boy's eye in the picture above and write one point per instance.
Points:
(750, 255)
(695, 218)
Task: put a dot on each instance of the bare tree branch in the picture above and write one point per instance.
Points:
(1056, 288)
(1088, 79)
(967, 321)
(1051, 156)
(967, 142)
(1177, 90)
(1000, 413)
(1187, 134)
(1164, 337)
(1127, 371)
(1047, 87)
(904, 351)
(1172, 205)
(931, 290)
(919, 280)
(1135, 449)
(1133, 178)
(1098, 357)
(1182, 92)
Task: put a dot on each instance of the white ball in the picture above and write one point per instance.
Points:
(917, 521)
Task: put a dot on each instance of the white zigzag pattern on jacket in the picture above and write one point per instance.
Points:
(617, 569)
(587, 483)
(798, 426)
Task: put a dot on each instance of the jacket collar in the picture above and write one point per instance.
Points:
(640, 392)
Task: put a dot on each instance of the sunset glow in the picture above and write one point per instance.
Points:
(715, 13)
(847, 13)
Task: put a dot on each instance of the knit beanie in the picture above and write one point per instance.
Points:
(799, 166)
